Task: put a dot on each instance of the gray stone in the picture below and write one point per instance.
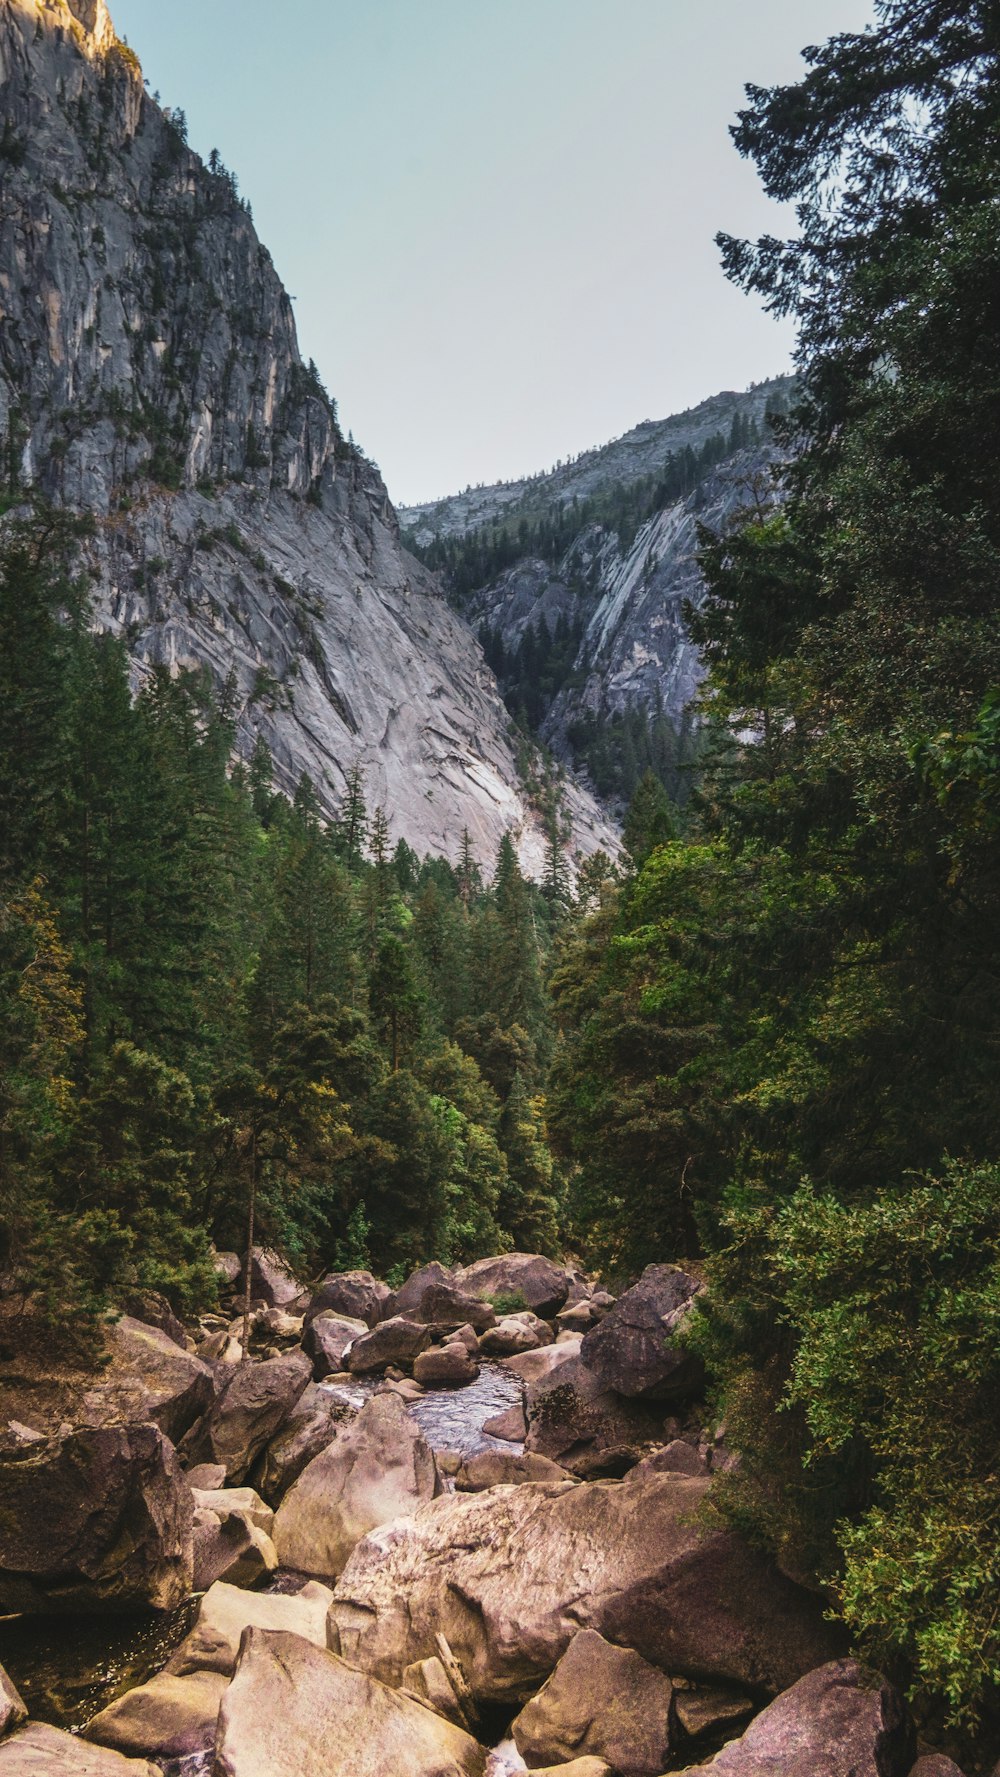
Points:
(541, 1285)
(327, 1339)
(355, 1295)
(310, 1426)
(585, 1427)
(271, 1281)
(837, 1721)
(396, 1341)
(406, 1299)
(635, 1349)
(601, 1701)
(250, 1410)
(213, 1644)
(511, 1425)
(36, 1750)
(445, 1366)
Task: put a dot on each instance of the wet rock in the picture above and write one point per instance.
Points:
(501, 1468)
(577, 1422)
(408, 1298)
(251, 1408)
(311, 1425)
(100, 1519)
(327, 1339)
(294, 1710)
(213, 1643)
(378, 1468)
(170, 1717)
(509, 1576)
(446, 1306)
(708, 1709)
(396, 1341)
(542, 1286)
(511, 1425)
(36, 1750)
(530, 1365)
(676, 1458)
(602, 1701)
(445, 1366)
(12, 1709)
(837, 1721)
(356, 1295)
(635, 1349)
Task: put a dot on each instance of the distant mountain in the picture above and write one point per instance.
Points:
(577, 580)
(150, 376)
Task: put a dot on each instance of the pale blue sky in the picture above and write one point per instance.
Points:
(496, 216)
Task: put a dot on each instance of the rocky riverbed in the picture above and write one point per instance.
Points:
(454, 1530)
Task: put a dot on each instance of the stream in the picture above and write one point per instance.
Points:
(69, 1667)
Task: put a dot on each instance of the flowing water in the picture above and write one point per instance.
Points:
(67, 1668)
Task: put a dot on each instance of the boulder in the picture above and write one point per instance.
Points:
(36, 1750)
(207, 1476)
(509, 1576)
(240, 1502)
(100, 1519)
(155, 1311)
(327, 1339)
(213, 1644)
(577, 1422)
(378, 1468)
(149, 1376)
(12, 1709)
(445, 1305)
(294, 1710)
(709, 1709)
(467, 1336)
(541, 1285)
(509, 1337)
(357, 1295)
(224, 1551)
(445, 1366)
(395, 1341)
(577, 1767)
(837, 1721)
(934, 1764)
(602, 1701)
(311, 1425)
(431, 1682)
(407, 1299)
(511, 1425)
(676, 1458)
(530, 1365)
(251, 1408)
(271, 1281)
(635, 1348)
(227, 1267)
(577, 1319)
(169, 1717)
(501, 1468)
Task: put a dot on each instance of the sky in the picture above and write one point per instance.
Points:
(496, 217)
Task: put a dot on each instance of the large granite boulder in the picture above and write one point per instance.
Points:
(169, 1717)
(837, 1721)
(445, 1366)
(355, 1294)
(326, 1340)
(538, 1283)
(397, 1341)
(530, 1365)
(148, 1376)
(407, 1299)
(294, 1710)
(36, 1750)
(510, 1576)
(574, 1420)
(213, 1644)
(311, 1425)
(377, 1469)
(604, 1702)
(271, 1281)
(935, 1764)
(445, 1305)
(635, 1348)
(100, 1520)
(501, 1468)
(251, 1408)
(231, 1549)
(512, 1335)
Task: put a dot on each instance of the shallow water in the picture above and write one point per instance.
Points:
(452, 1418)
(67, 1668)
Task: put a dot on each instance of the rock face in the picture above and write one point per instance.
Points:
(294, 1710)
(99, 1520)
(152, 1377)
(575, 1421)
(311, 1425)
(377, 1469)
(541, 1285)
(357, 1295)
(37, 1750)
(250, 1410)
(151, 374)
(839, 1721)
(601, 1702)
(634, 1349)
(510, 1576)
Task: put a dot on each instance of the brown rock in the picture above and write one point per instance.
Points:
(36, 1750)
(225, 1611)
(206, 1475)
(396, 1341)
(577, 1767)
(407, 1299)
(676, 1458)
(603, 1701)
(530, 1365)
(445, 1366)
(150, 1376)
(98, 1520)
(327, 1339)
(271, 1281)
(509, 1337)
(378, 1469)
(511, 1425)
(294, 1710)
(169, 1717)
(12, 1709)
(251, 1408)
(542, 1286)
(501, 1468)
(935, 1764)
(708, 1709)
(310, 1427)
(509, 1576)
(445, 1305)
(837, 1721)
(635, 1349)
(355, 1294)
(576, 1422)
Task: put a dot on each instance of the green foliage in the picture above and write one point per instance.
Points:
(507, 1302)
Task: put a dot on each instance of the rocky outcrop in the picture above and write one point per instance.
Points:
(36, 1750)
(251, 1408)
(152, 1377)
(601, 1702)
(150, 375)
(100, 1520)
(636, 1349)
(378, 1468)
(510, 1576)
(294, 1710)
(519, 1280)
(839, 1721)
(587, 1428)
(310, 1426)
(213, 1644)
